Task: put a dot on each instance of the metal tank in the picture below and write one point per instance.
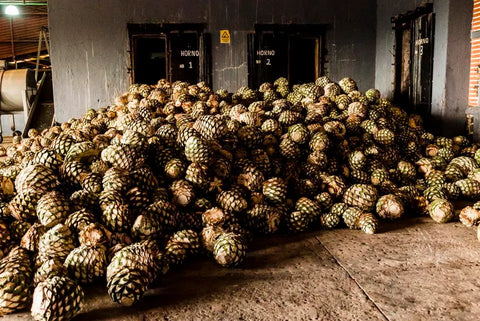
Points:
(17, 89)
(13, 84)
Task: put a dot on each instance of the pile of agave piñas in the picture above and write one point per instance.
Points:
(176, 170)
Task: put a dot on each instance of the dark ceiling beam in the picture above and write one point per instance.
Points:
(23, 14)
(7, 3)
(19, 41)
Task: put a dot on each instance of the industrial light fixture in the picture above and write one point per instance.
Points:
(11, 10)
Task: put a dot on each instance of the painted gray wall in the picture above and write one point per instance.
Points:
(7, 121)
(384, 59)
(89, 41)
(457, 67)
(451, 57)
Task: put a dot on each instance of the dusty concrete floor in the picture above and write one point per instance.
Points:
(412, 270)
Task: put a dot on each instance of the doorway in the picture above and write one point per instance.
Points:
(150, 58)
(170, 51)
(304, 59)
(296, 52)
(414, 59)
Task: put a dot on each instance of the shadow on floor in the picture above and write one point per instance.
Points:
(195, 282)
(390, 226)
(201, 278)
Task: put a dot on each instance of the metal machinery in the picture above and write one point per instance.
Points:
(18, 94)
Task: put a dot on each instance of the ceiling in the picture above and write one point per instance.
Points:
(21, 2)
(25, 28)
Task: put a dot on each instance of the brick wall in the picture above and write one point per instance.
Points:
(475, 57)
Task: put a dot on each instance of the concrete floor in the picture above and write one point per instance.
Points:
(413, 270)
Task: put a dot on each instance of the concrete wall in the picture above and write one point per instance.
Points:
(384, 59)
(6, 124)
(89, 45)
(89, 41)
(451, 57)
(457, 67)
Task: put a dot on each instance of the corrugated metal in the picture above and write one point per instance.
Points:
(26, 28)
(474, 58)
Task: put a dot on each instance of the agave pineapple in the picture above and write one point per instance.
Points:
(191, 168)
(56, 298)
